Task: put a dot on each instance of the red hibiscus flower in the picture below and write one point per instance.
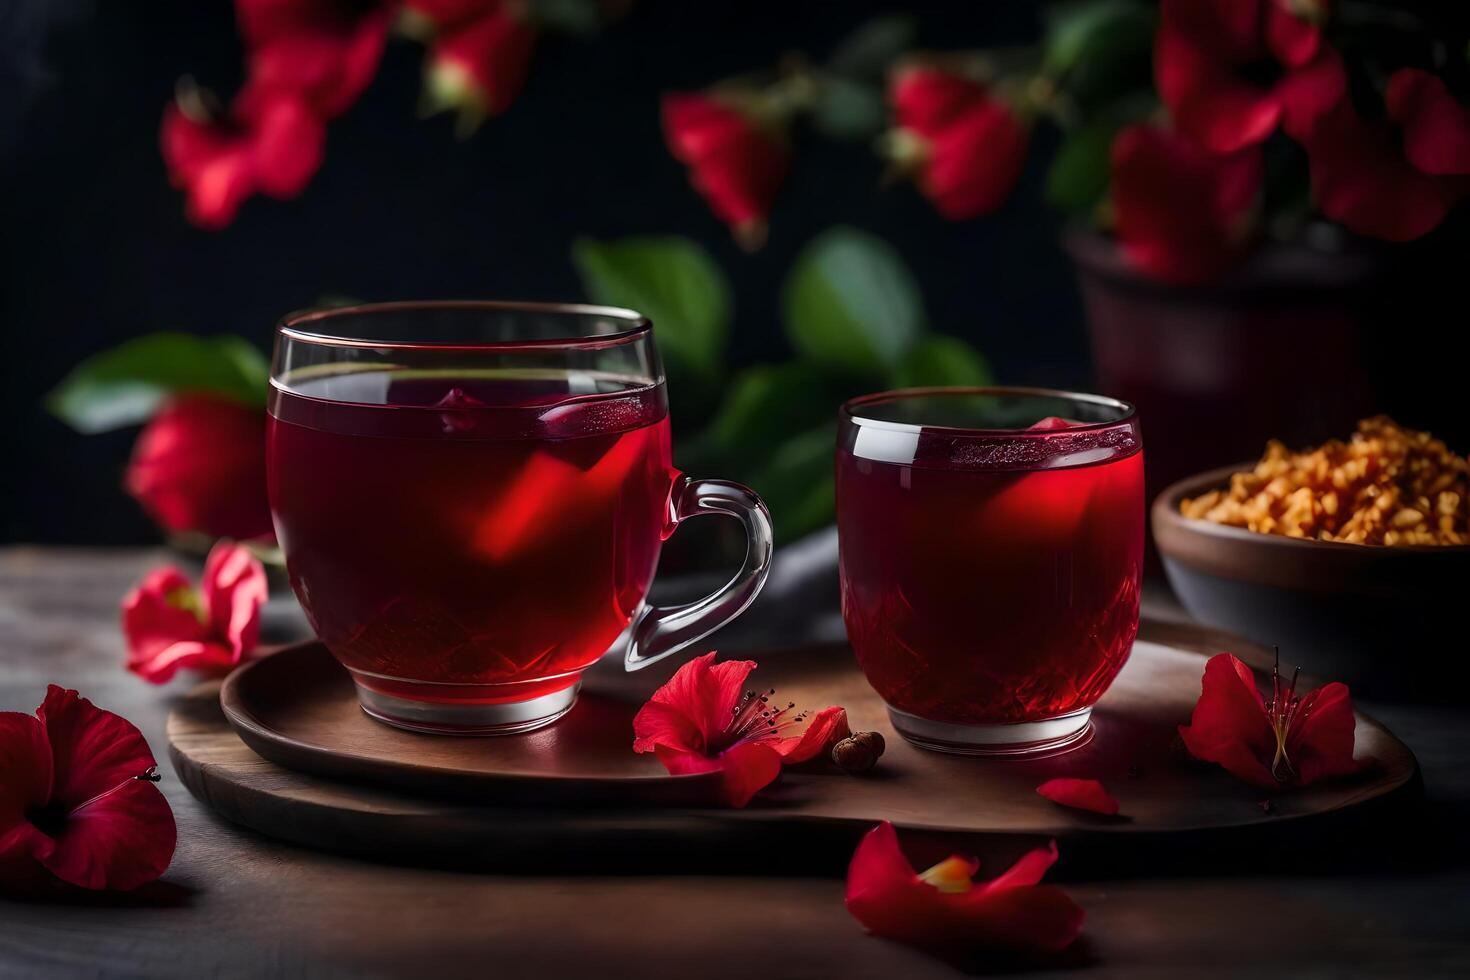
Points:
(1081, 794)
(736, 161)
(268, 143)
(1362, 179)
(479, 66)
(1436, 126)
(199, 465)
(171, 625)
(324, 52)
(1231, 71)
(1396, 185)
(700, 721)
(943, 911)
(966, 147)
(1287, 740)
(77, 799)
(1182, 213)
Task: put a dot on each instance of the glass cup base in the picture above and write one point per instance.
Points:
(1023, 740)
(467, 718)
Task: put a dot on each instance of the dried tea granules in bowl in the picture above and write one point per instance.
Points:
(1387, 485)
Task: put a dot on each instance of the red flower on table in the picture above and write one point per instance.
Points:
(170, 625)
(199, 465)
(1182, 213)
(1231, 71)
(943, 911)
(77, 800)
(324, 52)
(703, 720)
(966, 147)
(736, 160)
(1392, 184)
(268, 143)
(1080, 794)
(1286, 740)
(479, 65)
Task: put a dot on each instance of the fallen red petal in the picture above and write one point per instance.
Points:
(1081, 794)
(1010, 914)
(826, 728)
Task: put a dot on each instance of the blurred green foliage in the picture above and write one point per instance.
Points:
(854, 318)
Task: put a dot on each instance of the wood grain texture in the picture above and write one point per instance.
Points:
(397, 790)
(1387, 899)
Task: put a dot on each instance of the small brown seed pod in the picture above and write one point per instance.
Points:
(858, 753)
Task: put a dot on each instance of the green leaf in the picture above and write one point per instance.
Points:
(1101, 47)
(845, 109)
(1079, 173)
(761, 400)
(851, 303)
(581, 17)
(1076, 31)
(943, 361)
(672, 281)
(797, 483)
(124, 386)
(869, 50)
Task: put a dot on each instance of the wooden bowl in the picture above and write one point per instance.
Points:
(1389, 620)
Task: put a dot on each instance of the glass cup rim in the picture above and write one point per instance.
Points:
(851, 411)
(638, 326)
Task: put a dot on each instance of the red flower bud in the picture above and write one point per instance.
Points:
(324, 52)
(1183, 214)
(199, 465)
(966, 148)
(479, 67)
(270, 143)
(736, 162)
(926, 100)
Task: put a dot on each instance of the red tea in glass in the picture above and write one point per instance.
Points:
(991, 550)
(470, 522)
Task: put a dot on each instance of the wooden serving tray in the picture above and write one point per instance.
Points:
(304, 763)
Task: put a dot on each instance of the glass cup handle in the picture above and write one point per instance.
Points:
(662, 630)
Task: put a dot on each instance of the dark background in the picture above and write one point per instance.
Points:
(96, 248)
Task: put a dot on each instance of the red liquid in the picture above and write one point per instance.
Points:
(468, 532)
(979, 588)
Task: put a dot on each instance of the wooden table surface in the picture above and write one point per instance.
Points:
(1386, 900)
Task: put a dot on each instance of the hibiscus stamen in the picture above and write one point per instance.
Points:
(753, 717)
(149, 775)
(1283, 710)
